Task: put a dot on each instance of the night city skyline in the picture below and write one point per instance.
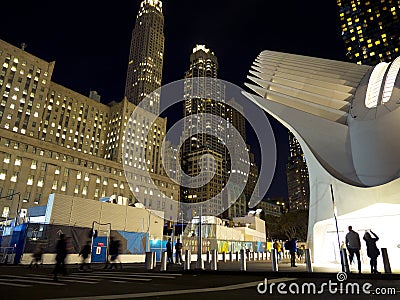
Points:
(90, 43)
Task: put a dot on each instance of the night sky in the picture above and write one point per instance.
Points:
(90, 40)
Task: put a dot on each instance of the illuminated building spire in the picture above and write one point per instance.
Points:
(145, 65)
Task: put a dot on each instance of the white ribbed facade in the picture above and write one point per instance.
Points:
(348, 143)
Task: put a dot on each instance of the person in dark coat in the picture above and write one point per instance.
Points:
(178, 252)
(37, 257)
(169, 252)
(84, 253)
(372, 250)
(293, 251)
(114, 251)
(61, 254)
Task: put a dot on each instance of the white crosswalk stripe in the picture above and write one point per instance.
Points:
(86, 280)
(108, 276)
(141, 275)
(96, 277)
(26, 280)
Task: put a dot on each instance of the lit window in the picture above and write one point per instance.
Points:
(7, 158)
(40, 182)
(30, 180)
(18, 161)
(14, 177)
(3, 174)
(54, 187)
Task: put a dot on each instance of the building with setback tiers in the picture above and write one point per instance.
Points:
(203, 132)
(146, 56)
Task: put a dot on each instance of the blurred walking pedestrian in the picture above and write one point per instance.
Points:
(61, 254)
(114, 251)
(37, 257)
(84, 253)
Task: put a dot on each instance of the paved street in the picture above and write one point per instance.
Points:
(135, 282)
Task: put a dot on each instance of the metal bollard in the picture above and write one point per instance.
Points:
(243, 266)
(262, 255)
(230, 256)
(214, 260)
(309, 267)
(188, 260)
(149, 260)
(208, 257)
(237, 255)
(386, 263)
(224, 256)
(154, 260)
(258, 255)
(274, 260)
(163, 261)
(344, 260)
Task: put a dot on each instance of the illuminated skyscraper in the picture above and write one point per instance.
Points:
(146, 55)
(204, 64)
(370, 30)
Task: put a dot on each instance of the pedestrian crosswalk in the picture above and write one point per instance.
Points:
(96, 277)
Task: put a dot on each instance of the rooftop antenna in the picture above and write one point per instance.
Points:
(23, 46)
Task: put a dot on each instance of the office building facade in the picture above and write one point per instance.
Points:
(370, 30)
(297, 176)
(54, 140)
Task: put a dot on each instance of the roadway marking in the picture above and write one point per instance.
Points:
(23, 279)
(109, 277)
(88, 280)
(149, 274)
(176, 292)
(15, 284)
(122, 274)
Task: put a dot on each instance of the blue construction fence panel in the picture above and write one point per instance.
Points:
(136, 242)
(18, 241)
(158, 246)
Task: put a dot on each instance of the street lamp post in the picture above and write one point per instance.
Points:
(200, 263)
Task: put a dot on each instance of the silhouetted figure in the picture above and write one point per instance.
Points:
(37, 257)
(178, 252)
(169, 252)
(84, 253)
(61, 250)
(114, 251)
(372, 250)
(353, 245)
(293, 251)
